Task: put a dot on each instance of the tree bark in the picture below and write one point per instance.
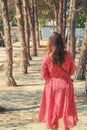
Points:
(56, 11)
(20, 20)
(32, 24)
(64, 20)
(86, 78)
(81, 72)
(34, 46)
(73, 23)
(85, 42)
(27, 28)
(60, 17)
(36, 24)
(8, 44)
(71, 27)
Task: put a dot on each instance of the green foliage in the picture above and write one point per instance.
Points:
(42, 22)
(81, 18)
(12, 18)
(45, 11)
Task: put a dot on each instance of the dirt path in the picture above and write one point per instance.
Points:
(22, 102)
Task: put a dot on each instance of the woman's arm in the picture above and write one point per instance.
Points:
(44, 68)
(72, 66)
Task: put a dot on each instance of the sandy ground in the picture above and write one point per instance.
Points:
(22, 102)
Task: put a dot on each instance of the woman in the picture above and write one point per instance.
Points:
(57, 107)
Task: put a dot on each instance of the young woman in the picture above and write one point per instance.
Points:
(57, 107)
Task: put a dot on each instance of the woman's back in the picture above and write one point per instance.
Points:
(54, 70)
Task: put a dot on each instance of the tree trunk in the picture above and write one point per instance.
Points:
(85, 34)
(36, 24)
(8, 44)
(60, 17)
(81, 72)
(81, 67)
(27, 29)
(73, 23)
(85, 40)
(86, 78)
(32, 19)
(71, 27)
(64, 20)
(56, 11)
(56, 19)
(20, 20)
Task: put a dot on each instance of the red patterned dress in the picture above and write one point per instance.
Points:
(57, 108)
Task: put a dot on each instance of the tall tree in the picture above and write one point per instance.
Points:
(56, 11)
(64, 19)
(85, 64)
(71, 27)
(60, 17)
(20, 20)
(81, 73)
(8, 44)
(32, 19)
(36, 23)
(27, 28)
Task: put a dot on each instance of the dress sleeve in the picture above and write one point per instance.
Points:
(44, 68)
(72, 65)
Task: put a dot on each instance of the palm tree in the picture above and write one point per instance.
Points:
(8, 44)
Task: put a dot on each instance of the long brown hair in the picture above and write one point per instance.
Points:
(56, 46)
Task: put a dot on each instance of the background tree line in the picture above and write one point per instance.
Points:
(30, 15)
